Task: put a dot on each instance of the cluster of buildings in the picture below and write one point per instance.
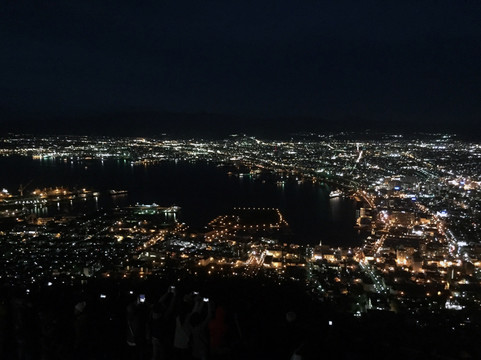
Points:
(420, 219)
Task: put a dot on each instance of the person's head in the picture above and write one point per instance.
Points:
(80, 307)
(219, 313)
(291, 317)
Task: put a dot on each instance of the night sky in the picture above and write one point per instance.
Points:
(240, 65)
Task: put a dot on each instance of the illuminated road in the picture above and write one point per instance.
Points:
(378, 282)
(152, 241)
(366, 198)
(255, 263)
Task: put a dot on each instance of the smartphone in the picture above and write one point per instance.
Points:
(142, 298)
(206, 299)
(196, 293)
(103, 296)
(172, 288)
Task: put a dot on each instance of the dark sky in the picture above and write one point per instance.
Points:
(385, 62)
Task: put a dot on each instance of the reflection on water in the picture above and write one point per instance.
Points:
(203, 192)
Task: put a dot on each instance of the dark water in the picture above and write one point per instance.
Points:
(204, 191)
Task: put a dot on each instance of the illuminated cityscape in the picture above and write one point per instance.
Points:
(418, 219)
(240, 180)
